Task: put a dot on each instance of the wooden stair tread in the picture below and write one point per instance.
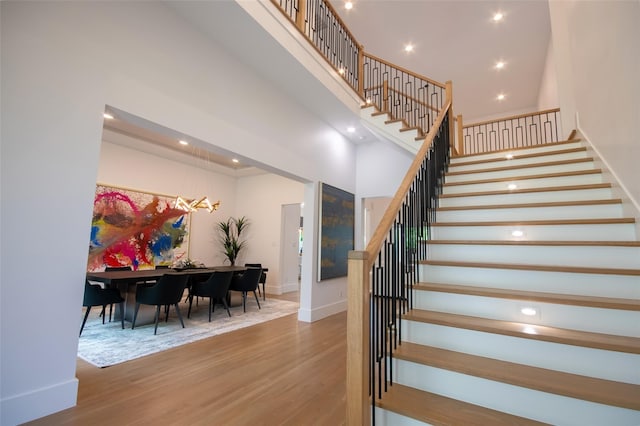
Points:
(543, 333)
(557, 298)
(613, 221)
(526, 177)
(560, 143)
(518, 157)
(536, 243)
(544, 268)
(528, 205)
(529, 190)
(407, 129)
(521, 166)
(601, 391)
(374, 114)
(397, 120)
(440, 410)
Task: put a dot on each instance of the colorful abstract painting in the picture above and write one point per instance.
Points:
(336, 231)
(136, 229)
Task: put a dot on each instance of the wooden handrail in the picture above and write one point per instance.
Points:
(513, 117)
(436, 83)
(394, 206)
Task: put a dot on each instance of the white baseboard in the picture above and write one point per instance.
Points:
(307, 315)
(22, 408)
(282, 288)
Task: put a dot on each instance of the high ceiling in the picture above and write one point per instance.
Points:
(453, 40)
(458, 40)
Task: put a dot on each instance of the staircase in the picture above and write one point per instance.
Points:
(528, 309)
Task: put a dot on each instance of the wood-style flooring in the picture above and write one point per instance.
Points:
(282, 372)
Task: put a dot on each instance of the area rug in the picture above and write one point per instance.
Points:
(108, 344)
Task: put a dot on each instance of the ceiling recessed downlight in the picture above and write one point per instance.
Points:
(501, 97)
(499, 65)
(348, 5)
(408, 47)
(498, 16)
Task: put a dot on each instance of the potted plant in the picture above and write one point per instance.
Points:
(230, 236)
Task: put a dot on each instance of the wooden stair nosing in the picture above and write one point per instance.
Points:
(397, 120)
(543, 333)
(407, 129)
(522, 166)
(563, 222)
(377, 113)
(525, 177)
(519, 157)
(529, 190)
(529, 205)
(592, 389)
(565, 142)
(535, 243)
(540, 268)
(440, 410)
(555, 298)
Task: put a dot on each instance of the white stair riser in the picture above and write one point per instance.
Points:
(517, 152)
(604, 285)
(499, 174)
(528, 197)
(586, 179)
(532, 404)
(586, 256)
(591, 232)
(389, 418)
(607, 365)
(597, 211)
(518, 161)
(597, 320)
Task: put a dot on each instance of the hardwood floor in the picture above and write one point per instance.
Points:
(282, 372)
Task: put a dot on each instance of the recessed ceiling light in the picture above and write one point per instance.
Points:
(499, 65)
(235, 160)
(184, 143)
(408, 48)
(498, 16)
(348, 5)
(351, 129)
(501, 97)
(107, 116)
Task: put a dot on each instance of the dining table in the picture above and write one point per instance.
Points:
(127, 281)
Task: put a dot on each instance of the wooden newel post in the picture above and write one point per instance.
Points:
(452, 125)
(358, 295)
(300, 17)
(460, 136)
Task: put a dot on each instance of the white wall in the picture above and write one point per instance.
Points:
(548, 95)
(62, 62)
(598, 64)
(260, 199)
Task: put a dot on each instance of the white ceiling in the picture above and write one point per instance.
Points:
(457, 40)
(454, 40)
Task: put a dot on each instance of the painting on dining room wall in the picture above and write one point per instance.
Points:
(336, 231)
(136, 229)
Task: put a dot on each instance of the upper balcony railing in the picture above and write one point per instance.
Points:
(517, 131)
(403, 94)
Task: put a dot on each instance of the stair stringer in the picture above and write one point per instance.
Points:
(379, 124)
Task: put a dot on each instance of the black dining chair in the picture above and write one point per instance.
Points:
(108, 269)
(94, 295)
(245, 282)
(263, 278)
(166, 291)
(215, 288)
